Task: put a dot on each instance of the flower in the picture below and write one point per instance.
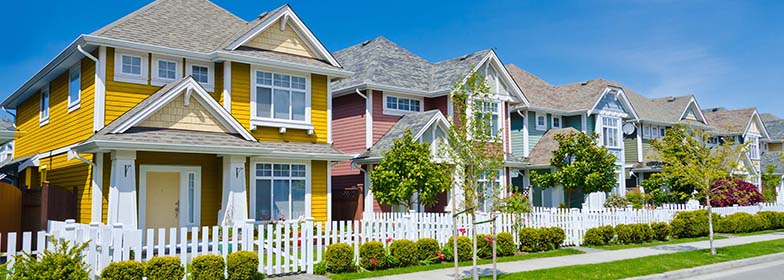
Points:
(373, 261)
(389, 239)
(440, 256)
(489, 239)
(462, 230)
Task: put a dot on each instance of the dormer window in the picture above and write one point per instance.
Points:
(541, 122)
(556, 121)
(130, 66)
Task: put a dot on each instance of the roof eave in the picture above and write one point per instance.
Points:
(104, 145)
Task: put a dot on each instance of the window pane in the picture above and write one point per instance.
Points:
(298, 170)
(281, 100)
(191, 197)
(402, 104)
(414, 105)
(298, 82)
(280, 199)
(264, 170)
(391, 102)
(494, 124)
(263, 200)
(167, 70)
(74, 86)
(298, 105)
(264, 78)
(297, 198)
(132, 65)
(280, 170)
(281, 80)
(200, 73)
(263, 102)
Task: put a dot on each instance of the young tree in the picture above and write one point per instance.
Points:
(408, 170)
(688, 159)
(580, 164)
(769, 183)
(475, 149)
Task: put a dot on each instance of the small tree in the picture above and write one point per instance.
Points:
(408, 170)
(769, 183)
(689, 159)
(580, 164)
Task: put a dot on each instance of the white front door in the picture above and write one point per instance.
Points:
(169, 196)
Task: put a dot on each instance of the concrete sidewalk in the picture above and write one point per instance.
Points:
(588, 258)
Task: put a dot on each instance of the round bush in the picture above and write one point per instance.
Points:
(161, 268)
(505, 244)
(207, 267)
(427, 249)
(243, 265)
(732, 192)
(372, 255)
(484, 246)
(644, 232)
(405, 251)
(552, 237)
(464, 248)
(125, 270)
(529, 240)
(594, 237)
(661, 231)
(687, 224)
(626, 234)
(339, 258)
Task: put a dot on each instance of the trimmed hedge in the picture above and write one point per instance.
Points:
(661, 231)
(688, 224)
(427, 249)
(775, 219)
(541, 239)
(162, 268)
(372, 255)
(505, 244)
(742, 222)
(124, 270)
(599, 236)
(339, 258)
(405, 251)
(207, 267)
(465, 248)
(243, 265)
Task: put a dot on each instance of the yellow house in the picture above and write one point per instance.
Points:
(182, 114)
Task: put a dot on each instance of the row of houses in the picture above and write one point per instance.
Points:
(183, 114)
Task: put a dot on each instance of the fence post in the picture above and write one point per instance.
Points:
(92, 253)
(70, 230)
(248, 235)
(407, 225)
(308, 244)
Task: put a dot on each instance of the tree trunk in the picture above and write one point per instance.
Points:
(454, 234)
(710, 221)
(474, 270)
(493, 235)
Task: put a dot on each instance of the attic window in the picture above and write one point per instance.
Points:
(202, 72)
(132, 65)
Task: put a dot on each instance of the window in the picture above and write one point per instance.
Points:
(130, 66)
(43, 109)
(280, 191)
(610, 129)
(753, 144)
(74, 86)
(488, 114)
(557, 121)
(395, 103)
(662, 131)
(280, 96)
(654, 132)
(486, 191)
(191, 198)
(541, 122)
(165, 70)
(200, 74)
(646, 131)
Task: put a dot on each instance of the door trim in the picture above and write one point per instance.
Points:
(184, 170)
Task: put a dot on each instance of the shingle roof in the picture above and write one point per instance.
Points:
(414, 122)
(538, 92)
(729, 121)
(7, 124)
(773, 158)
(769, 116)
(542, 152)
(663, 109)
(775, 129)
(381, 61)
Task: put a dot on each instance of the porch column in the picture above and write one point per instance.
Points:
(368, 207)
(122, 190)
(234, 206)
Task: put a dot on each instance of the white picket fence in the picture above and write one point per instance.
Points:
(294, 247)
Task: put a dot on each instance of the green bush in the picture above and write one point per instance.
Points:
(372, 255)
(465, 248)
(427, 249)
(552, 237)
(599, 236)
(320, 268)
(742, 222)
(689, 224)
(505, 244)
(484, 246)
(207, 267)
(64, 262)
(243, 265)
(529, 240)
(541, 239)
(626, 234)
(339, 258)
(616, 201)
(644, 232)
(661, 231)
(125, 270)
(775, 219)
(405, 251)
(161, 268)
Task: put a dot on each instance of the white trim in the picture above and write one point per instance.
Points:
(75, 104)
(103, 145)
(97, 189)
(640, 156)
(210, 84)
(760, 125)
(156, 79)
(329, 112)
(560, 121)
(368, 118)
(307, 124)
(536, 121)
(526, 149)
(618, 95)
(308, 184)
(329, 191)
(126, 77)
(183, 170)
(100, 90)
(44, 119)
(584, 122)
(227, 85)
(697, 109)
(398, 112)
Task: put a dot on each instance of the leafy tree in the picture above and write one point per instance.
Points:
(769, 183)
(688, 159)
(580, 164)
(407, 171)
(475, 150)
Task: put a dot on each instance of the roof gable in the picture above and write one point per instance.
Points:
(693, 112)
(613, 99)
(418, 123)
(179, 114)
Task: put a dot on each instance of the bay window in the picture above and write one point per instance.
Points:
(280, 96)
(610, 132)
(279, 191)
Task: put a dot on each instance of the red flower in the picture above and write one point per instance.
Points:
(389, 239)
(441, 256)
(489, 239)
(462, 230)
(373, 261)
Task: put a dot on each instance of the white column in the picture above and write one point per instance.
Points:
(97, 189)
(329, 193)
(368, 208)
(457, 189)
(227, 85)
(99, 101)
(640, 156)
(234, 206)
(122, 190)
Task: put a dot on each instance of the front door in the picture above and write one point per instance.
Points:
(163, 199)
(170, 196)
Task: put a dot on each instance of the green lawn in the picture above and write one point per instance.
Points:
(758, 232)
(652, 264)
(401, 270)
(656, 243)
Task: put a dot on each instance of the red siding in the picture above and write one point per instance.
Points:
(381, 123)
(348, 135)
(439, 103)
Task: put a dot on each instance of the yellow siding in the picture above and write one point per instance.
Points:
(318, 189)
(72, 175)
(218, 94)
(178, 116)
(753, 128)
(285, 41)
(64, 128)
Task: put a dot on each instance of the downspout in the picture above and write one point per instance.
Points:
(7, 112)
(368, 118)
(100, 88)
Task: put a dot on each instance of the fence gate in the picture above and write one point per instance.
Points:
(11, 213)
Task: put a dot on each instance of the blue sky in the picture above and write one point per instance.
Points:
(728, 53)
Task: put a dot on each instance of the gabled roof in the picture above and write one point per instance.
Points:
(775, 129)
(539, 93)
(416, 122)
(769, 116)
(666, 110)
(734, 122)
(542, 152)
(382, 64)
(773, 158)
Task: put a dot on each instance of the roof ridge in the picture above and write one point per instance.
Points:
(126, 17)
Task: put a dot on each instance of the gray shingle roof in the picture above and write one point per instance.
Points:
(729, 121)
(773, 158)
(542, 152)
(775, 129)
(381, 61)
(663, 109)
(769, 116)
(7, 124)
(414, 122)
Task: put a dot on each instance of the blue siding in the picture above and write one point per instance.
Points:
(516, 134)
(533, 134)
(575, 122)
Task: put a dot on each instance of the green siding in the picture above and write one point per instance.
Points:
(516, 134)
(630, 152)
(533, 134)
(646, 148)
(575, 122)
(591, 123)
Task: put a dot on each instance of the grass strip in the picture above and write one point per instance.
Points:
(656, 243)
(758, 232)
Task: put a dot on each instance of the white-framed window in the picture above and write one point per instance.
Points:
(662, 132)
(646, 131)
(753, 146)
(654, 132)
(43, 108)
(202, 72)
(400, 105)
(279, 191)
(433, 136)
(165, 69)
(486, 190)
(489, 112)
(541, 122)
(74, 86)
(610, 132)
(280, 97)
(556, 121)
(130, 66)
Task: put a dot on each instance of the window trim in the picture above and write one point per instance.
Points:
(307, 124)
(308, 186)
(536, 121)
(398, 112)
(617, 131)
(499, 116)
(560, 121)
(74, 104)
(646, 131)
(158, 80)
(754, 146)
(131, 78)
(43, 120)
(210, 84)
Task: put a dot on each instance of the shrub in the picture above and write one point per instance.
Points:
(427, 249)
(616, 201)
(64, 262)
(125, 270)
(320, 268)
(636, 199)
(484, 246)
(529, 240)
(243, 265)
(626, 234)
(661, 231)
(404, 251)
(645, 232)
(464, 247)
(742, 222)
(541, 239)
(775, 219)
(688, 224)
(731, 192)
(552, 237)
(372, 255)
(598, 236)
(505, 244)
(207, 267)
(160, 268)
(339, 258)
